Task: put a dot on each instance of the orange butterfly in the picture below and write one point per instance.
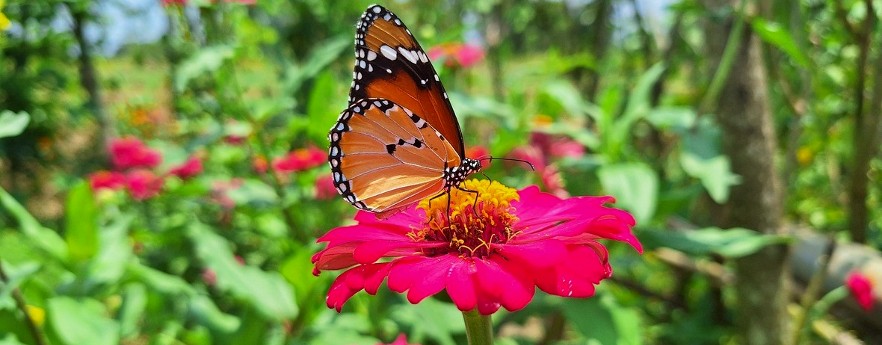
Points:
(399, 141)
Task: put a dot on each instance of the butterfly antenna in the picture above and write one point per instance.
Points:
(491, 158)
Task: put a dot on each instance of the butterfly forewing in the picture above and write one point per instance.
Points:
(385, 157)
(390, 64)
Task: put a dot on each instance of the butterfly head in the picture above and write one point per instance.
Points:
(455, 175)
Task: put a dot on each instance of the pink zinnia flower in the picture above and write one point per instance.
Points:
(861, 289)
(131, 153)
(457, 55)
(324, 187)
(143, 184)
(190, 168)
(492, 253)
(300, 159)
(106, 180)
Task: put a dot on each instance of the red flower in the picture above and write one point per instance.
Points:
(106, 180)
(130, 153)
(174, 2)
(190, 168)
(400, 340)
(457, 54)
(861, 289)
(300, 159)
(143, 184)
(324, 187)
(494, 253)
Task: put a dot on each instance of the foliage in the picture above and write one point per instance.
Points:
(221, 255)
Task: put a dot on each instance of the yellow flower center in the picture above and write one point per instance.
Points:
(474, 219)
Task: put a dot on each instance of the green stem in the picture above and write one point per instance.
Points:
(479, 331)
(726, 61)
(23, 307)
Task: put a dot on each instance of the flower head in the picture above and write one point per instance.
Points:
(143, 184)
(300, 159)
(324, 187)
(457, 54)
(861, 289)
(106, 180)
(131, 153)
(496, 247)
(190, 168)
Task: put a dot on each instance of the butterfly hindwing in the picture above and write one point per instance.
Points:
(384, 157)
(390, 64)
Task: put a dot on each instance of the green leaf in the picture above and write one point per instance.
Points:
(73, 322)
(205, 313)
(437, 320)
(159, 281)
(253, 191)
(634, 185)
(81, 218)
(109, 265)
(731, 243)
(10, 339)
(12, 124)
(15, 276)
(592, 319)
(267, 292)
(778, 36)
(672, 117)
(325, 53)
(206, 60)
(319, 109)
(43, 238)
(134, 302)
(714, 173)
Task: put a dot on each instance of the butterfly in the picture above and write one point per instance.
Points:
(399, 141)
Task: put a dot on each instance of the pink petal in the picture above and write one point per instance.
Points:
(460, 286)
(502, 282)
(539, 254)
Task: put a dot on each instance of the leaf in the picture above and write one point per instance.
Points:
(731, 243)
(109, 264)
(12, 124)
(10, 339)
(592, 319)
(437, 320)
(15, 276)
(134, 302)
(207, 60)
(319, 109)
(159, 281)
(714, 173)
(253, 191)
(672, 117)
(205, 313)
(777, 35)
(325, 53)
(73, 322)
(81, 230)
(634, 185)
(638, 106)
(267, 292)
(45, 239)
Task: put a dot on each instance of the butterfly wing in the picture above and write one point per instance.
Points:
(390, 64)
(384, 157)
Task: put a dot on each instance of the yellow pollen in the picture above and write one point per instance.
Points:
(478, 216)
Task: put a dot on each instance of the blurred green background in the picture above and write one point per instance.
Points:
(743, 136)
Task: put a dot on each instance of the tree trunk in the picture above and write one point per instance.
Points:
(749, 141)
(89, 79)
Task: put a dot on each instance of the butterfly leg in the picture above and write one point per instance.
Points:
(474, 205)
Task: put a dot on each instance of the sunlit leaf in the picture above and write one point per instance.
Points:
(634, 185)
(81, 214)
(12, 124)
(778, 36)
(714, 173)
(15, 276)
(205, 313)
(267, 292)
(77, 322)
(730, 243)
(206, 60)
(134, 302)
(44, 238)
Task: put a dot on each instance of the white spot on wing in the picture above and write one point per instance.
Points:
(388, 52)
